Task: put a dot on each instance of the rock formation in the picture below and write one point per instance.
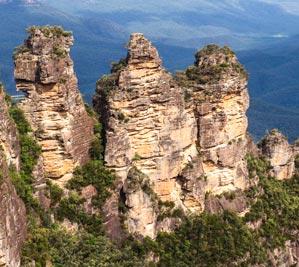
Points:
(277, 150)
(216, 86)
(9, 142)
(12, 209)
(53, 105)
(148, 127)
(12, 220)
(182, 137)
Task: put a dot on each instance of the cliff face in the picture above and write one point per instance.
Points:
(183, 137)
(53, 105)
(12, 209)
(12, 220)
(9, 142)
(281, 155)
(148, 128)
(216, 87)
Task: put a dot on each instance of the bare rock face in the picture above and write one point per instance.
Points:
(148, 128)
(286, 256)
(231, 201)
(53, 105)
(276, 148)
(12, 209)
(9, 142)
(186, 136)
(216, 87)
(12, 218)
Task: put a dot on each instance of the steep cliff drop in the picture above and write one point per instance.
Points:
(150, 134)
(53, 105)
(12, 209)
(173, 140)
(216, 89)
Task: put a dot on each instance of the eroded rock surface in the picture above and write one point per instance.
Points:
(277, 150)
(12, 216)
(53, 105)
(148, 127)
(12, 209)
(216, 87)
(9, 142)
(187, 136)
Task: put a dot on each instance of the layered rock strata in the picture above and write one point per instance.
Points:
(53, 105)
(182, 137)
(216, 87)
(9, 142)
(12, 220)
(148, 128)
(12, 209)
(281, 155)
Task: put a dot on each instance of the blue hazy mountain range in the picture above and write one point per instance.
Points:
(264, 33)
(190, 23)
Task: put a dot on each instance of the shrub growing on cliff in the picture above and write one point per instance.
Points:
(118, 66)
(20, 120)
(56, 31)
(96, 149)
(93, 173)
(30, 152)
(20, 50)
(55, 192)
(61, 248)
(59, 51)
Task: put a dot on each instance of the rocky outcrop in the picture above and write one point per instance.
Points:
(148, 126)
(277, 150)
(286, 256)
(9, 142)
(187, 136)
(12, 209)
(12, 221)
(53, 105)
(216, 87)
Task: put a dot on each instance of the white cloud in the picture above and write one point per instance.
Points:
(291, 6)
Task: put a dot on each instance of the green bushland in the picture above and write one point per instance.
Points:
(203, 240)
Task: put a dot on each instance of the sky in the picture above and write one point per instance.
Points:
(291, 6)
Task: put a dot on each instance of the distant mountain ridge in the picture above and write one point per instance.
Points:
(26, 2)
(101, 38)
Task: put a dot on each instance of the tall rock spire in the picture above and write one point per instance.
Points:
(53, 105)
(217, 84)
(149, 133)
